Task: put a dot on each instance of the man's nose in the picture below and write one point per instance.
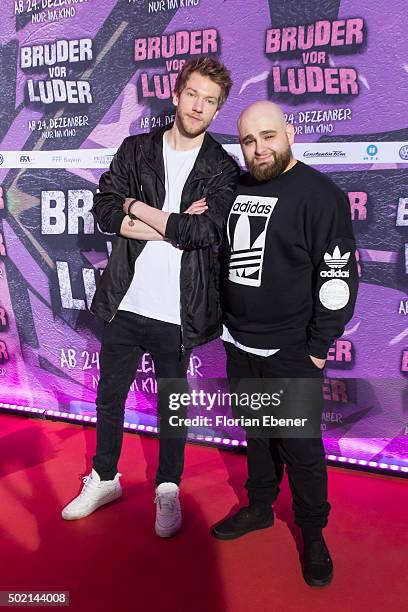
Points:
(198, 105)
(260, 147)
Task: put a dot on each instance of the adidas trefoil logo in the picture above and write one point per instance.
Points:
(247, 228)
(246, 259)
(336, 261)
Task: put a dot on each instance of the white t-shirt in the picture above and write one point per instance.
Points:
(155, 288)
(226, 337)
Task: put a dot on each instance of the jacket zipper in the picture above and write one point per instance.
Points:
(202, 178)
(183, 348)
(206, 177)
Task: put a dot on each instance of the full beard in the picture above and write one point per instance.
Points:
(272, 169)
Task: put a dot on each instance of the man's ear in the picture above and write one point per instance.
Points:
(175, 99)
(290, 131)
(216, 113)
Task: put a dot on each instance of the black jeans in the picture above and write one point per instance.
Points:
(304, 457)
(124, 341)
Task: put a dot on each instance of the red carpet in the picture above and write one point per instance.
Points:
(112, 560)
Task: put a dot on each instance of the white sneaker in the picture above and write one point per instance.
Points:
(95, 493)
(168, 511)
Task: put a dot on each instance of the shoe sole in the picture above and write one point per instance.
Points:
(78, 518)
(318, 583)
(167, 534)
(227, 536)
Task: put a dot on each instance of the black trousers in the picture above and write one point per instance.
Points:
(304, 457)
(124, 341)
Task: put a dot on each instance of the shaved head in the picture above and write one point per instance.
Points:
(262, 108)
(266, 140)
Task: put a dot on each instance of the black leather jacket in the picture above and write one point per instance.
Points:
(137, 171)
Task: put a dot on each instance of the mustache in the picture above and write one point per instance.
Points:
(272, 168)
(271, 153)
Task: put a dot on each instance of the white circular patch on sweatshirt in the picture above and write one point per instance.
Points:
(334, 294)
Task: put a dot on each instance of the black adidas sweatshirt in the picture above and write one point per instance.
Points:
(290, 273)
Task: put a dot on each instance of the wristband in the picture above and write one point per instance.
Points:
(133, 217)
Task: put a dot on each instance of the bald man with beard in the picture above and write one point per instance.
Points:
(289, 288)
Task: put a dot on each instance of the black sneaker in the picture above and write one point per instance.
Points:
(243, 521)
(317, 565)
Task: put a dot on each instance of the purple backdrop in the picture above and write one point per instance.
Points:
(77, 77)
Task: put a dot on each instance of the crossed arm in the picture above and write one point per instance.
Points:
(151, 223)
